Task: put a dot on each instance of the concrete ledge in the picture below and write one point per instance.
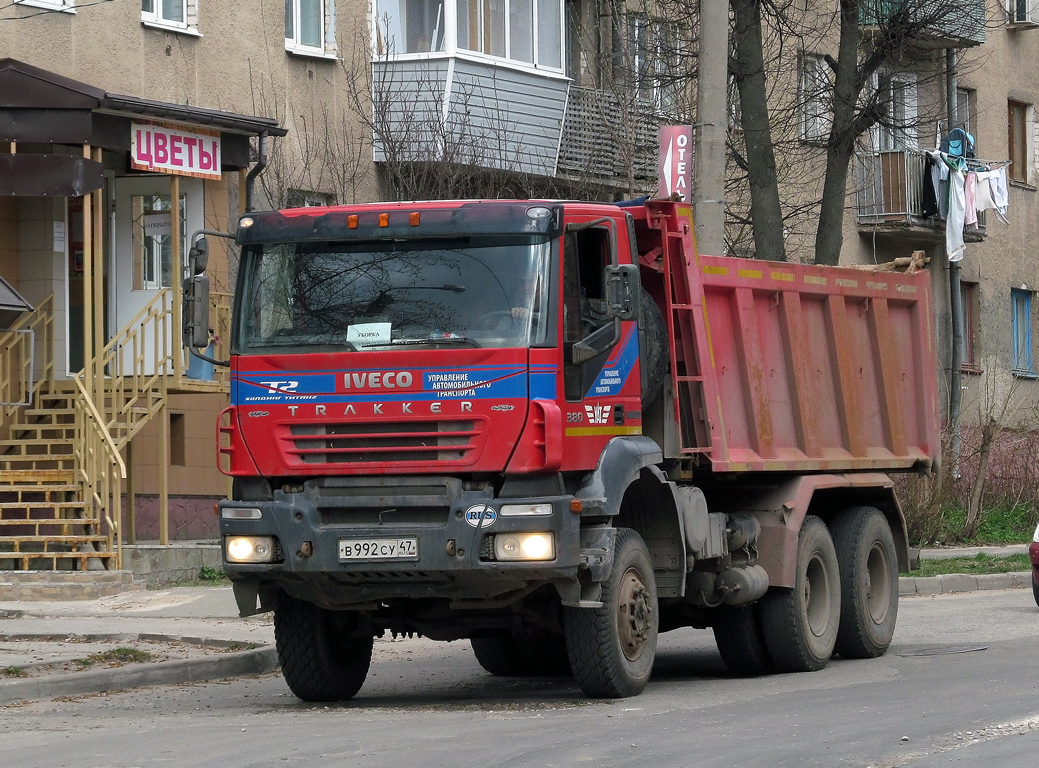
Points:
(954, 583)
(177, 562)
(256, 661)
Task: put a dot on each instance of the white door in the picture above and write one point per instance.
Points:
(144, 260)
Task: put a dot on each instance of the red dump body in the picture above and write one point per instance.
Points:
(791, 367)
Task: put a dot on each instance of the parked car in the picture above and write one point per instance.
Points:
(1033, 550)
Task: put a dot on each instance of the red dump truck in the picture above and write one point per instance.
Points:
(556, 430)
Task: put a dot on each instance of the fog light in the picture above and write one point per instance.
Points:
(515, 510)
(524, 546)
(249, 549)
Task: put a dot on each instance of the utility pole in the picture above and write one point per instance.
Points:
(712, 121)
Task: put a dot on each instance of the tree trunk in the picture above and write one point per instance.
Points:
(765, 211)
(973, 520)
(839, 148)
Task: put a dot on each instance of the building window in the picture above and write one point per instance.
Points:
(310, 27)
(299, 198)
(649, 50)
(898, 129)
(964, 99)
(969, 299)
(153, 242)
(1018, 146)
(815, 98)
(181, 15)
(67, 6)
(527, 32)
(1021, 326)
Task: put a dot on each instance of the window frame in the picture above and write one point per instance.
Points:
(907, 136)
(327, 49)
(1022, 338)
(59, 6)
(815, 89)
(646, 42)
(971, 305)
(450, 35)
(154, 17)
(1019, 143)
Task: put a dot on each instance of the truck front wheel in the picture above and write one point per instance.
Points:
(869, 582)
(612, 648)
(800, 624)
(320, 656)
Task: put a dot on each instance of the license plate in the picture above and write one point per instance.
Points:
(378, 549)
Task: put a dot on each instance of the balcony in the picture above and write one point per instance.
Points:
(889, 199)
(603, 139)
(946, 24)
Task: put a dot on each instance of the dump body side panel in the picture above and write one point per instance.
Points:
(804, 368)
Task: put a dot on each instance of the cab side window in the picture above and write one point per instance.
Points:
(586, 254)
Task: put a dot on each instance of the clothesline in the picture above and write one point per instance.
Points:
(973, 163)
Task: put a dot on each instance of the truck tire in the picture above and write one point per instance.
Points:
(741, 641)
(612, 648)
(319, 659)
(500, 655)
(869, 582)
(534, 654)
(654, 355)
(1035, 591)
(800, 624)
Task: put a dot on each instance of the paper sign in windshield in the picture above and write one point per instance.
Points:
(368, 334)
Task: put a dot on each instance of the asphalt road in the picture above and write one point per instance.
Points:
(958, 687)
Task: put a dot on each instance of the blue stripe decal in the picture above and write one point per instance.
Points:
(615, 371)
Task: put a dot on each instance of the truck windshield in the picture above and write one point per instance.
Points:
(364, 296)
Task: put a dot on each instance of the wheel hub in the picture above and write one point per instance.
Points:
(634, 609)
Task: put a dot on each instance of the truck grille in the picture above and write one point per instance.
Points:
(384, 442)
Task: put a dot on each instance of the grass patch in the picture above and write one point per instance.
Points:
(13, 672)
(209, 575)
(999, 525)
(977, 565)
(115, 657)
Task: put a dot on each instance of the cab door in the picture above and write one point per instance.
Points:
(601, 375)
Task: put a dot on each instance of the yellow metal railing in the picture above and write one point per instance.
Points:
(100, 469)
(218, 379)
(26, 358)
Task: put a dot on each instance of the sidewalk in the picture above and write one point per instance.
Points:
(66, 648)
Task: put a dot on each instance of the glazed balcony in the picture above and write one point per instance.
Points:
(947, 24)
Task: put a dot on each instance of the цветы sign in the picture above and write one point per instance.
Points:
(171, 148)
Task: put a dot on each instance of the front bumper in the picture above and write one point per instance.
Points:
(454, 559)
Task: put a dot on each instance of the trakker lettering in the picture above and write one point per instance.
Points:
(377, 409)
(378, 380)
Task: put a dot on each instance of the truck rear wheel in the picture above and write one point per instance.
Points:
(800, 624)
(612, 648)
(319, 658)
(741, 641)
(869, 582)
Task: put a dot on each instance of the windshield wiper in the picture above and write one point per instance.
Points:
(453, 339)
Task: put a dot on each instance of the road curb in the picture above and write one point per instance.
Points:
(254, 661)
(955, 583)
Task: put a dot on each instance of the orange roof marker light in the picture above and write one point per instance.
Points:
(384, 219)
(413, 218)
(351, 221)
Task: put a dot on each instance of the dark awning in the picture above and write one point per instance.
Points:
(37, 106)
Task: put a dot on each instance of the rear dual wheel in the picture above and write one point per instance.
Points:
(800, 625)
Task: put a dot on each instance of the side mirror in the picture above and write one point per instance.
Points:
(198, 256)
(196, 311)
(622, 298)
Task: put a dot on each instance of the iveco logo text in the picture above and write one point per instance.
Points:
(280, 386)
(377, 380)
(597, 414)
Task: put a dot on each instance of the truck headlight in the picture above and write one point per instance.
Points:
(249, 549)
(524, 546)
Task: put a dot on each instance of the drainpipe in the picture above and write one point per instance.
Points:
(955, 302)
(256, 170)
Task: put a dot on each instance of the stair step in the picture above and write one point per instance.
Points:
(71, 539)
(40, 504)
(21, 478)
(49, 411)
(66, 585)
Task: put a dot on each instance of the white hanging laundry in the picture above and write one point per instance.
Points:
(954, 222)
